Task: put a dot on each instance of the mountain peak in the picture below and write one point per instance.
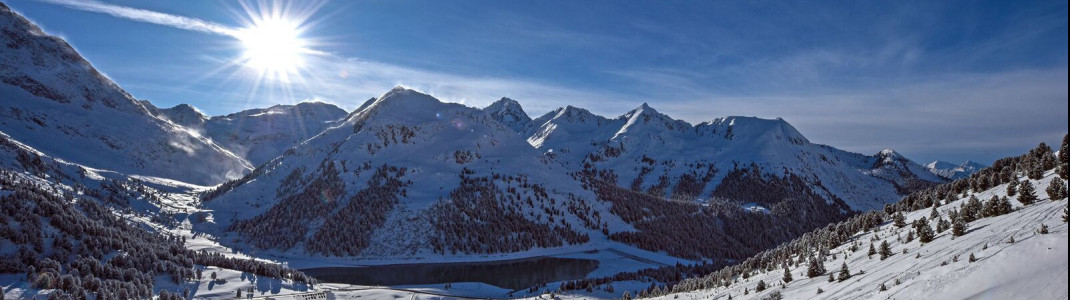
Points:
(889, 153)
(508, 112)
(739, 127)
(408, 97)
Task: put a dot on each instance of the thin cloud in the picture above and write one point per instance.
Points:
(148, 16)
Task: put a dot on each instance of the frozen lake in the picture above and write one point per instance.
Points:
(509, 274)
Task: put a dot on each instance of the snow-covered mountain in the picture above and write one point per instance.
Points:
(651, 152)
(259, 135)
(399, 177)
(953, 171)
(54, 100)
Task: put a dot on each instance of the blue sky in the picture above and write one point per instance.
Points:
(952, 80)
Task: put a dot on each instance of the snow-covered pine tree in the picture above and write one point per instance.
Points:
(958, 227)
(817, 268)
(845, 274)
(1005, 206)
(787, 275)
(1027, 194)
(1056, 189)
(761, 286)
(1043, 229)
(925, 232)
(972, 209)
(899, 220)
(886, 249)
(1012, 188)
(872, 250)
(882, 288)
(1064, 214)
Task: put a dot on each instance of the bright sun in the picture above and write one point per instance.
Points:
(273, 46)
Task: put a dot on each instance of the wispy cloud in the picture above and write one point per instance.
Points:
(148, 16)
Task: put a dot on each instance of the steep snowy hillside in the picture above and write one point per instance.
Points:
(54, 100)
(259, 135)
(650, 152)
(999, 234)
(952, 171)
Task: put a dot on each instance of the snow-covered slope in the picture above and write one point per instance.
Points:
(952, 171)
(54, 100)
(1012, 260)
(648, 151)
(259, 135)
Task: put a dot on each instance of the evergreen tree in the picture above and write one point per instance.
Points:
(817, 268)
(1005, 206)
(845, 274)
(1012, 188)
(882, 288)
(787, 275)
(934, 213)
(958, 227)
(872, 250)
(942, 225)
(925, 232)
(832, 277)
(972, 258)
(761, 286)
(1064, 214)
(1056, 189)
(1027, 194)
(991, 207)
(972, 210)
(899, 220)
(886, 250)
(1043, 229)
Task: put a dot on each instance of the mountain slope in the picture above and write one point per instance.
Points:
(54, 100)
(259, 135)
(650, 152)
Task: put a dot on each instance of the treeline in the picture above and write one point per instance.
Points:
(78, 247)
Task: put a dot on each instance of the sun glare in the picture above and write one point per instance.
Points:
(273, 46)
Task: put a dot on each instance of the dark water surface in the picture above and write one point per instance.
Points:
(510, 274)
